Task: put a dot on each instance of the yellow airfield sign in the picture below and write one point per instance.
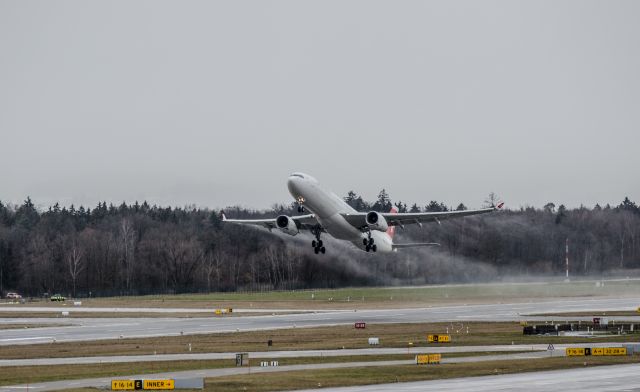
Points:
(158, 384)
(439, 338)
(615, 351)
(580, 351)
(423, 359)
(130, 385)
(574, 351)
(122, 385)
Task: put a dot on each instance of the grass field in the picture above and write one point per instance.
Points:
(312, 379)
(327, 338)
(370, 297)
(22, 326)
(30, 374)
(84, 314)
(391, 374)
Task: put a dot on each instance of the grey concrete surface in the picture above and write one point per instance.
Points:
(84, 309)
(80, 329)
(602, 379)
(104, 381)
(282, 354)
(559, 350)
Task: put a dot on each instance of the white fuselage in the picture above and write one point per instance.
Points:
(328, 207)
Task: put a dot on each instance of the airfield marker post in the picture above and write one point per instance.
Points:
(566, 258)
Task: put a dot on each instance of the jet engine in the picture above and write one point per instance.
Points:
(286, 225)
(375, 221)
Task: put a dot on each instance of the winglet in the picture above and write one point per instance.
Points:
(499, 205)
(222, 216)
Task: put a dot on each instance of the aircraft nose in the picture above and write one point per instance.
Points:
(291, 184)
(296, 183)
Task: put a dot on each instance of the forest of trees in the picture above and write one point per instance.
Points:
(141, 249)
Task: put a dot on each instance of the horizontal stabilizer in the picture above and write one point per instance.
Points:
(415, 245)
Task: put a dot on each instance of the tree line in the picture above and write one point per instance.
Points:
(143, 249)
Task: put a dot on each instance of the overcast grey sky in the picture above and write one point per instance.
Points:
(215, 103)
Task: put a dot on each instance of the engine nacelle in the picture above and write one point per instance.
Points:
(375, 221)
(286, 225)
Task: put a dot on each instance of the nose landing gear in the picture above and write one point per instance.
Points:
(300, 201)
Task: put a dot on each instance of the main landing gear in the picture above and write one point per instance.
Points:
(369, 243)
(317, 245)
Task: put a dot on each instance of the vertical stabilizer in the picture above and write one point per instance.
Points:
(392, 229)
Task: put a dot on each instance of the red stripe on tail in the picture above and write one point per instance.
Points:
(392, 229)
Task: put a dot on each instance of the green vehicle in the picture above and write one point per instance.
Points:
(57, 297)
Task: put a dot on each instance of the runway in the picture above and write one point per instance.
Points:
(83, 329)
(88, 309)
(604, 378)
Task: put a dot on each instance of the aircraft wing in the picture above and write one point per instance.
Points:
(302, 221)
(414, 245)
(358, 219)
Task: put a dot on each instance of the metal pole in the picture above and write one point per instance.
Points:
(567, 256)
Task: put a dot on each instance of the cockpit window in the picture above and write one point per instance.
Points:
(297, 175)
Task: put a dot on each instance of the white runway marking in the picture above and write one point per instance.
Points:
(111, 325)
(29, 338)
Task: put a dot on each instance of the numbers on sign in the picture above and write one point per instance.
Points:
(122, 385)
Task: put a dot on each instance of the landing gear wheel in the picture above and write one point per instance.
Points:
(374, 248)
(367, 248)
(365, 241)
(317, 243)
(370, 241)
(300, 209)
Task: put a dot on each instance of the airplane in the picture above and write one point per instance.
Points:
(369, 231)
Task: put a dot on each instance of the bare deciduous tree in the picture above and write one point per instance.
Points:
(183, 254)
(75, 262)
(492, 200)
(127, 248)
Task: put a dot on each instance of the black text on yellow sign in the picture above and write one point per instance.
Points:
(158, 384)
(122, 385)
(439, 338)
(580, 351)
(129, 385)
(423, 359)
(574, 351)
